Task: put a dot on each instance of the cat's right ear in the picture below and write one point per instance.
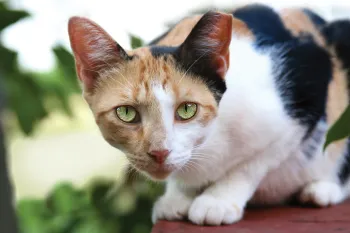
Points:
(94, 50)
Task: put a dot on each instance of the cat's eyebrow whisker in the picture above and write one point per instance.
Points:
(127, 80)
(192, 65)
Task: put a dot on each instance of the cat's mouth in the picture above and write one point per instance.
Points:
(160, 172)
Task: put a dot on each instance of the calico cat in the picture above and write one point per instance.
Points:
(227, 108)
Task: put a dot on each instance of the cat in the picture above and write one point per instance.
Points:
(229, 109)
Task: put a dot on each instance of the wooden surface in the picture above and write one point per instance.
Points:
(274, 220)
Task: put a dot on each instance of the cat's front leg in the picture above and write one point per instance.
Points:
(224, 201)
(174, 204)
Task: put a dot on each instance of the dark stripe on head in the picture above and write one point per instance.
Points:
(344, 172)
(265, 24)
(158, 51)
(303, 71)
(198, 68)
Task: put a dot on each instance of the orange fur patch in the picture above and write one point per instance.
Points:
(179, 33)
(241, 30)
(298, 22)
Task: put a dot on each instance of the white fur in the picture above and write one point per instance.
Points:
(322, 193)
(180, 138)
(253, 151)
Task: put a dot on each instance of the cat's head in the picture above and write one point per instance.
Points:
(154, 103)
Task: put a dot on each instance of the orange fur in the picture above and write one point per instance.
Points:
(298, 22)
(179, 33)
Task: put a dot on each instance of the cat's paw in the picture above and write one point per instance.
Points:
(171, 208)
(212, 211)
(322, 193)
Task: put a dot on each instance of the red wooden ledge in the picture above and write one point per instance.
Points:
(274, 220)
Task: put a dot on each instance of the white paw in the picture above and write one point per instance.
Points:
(212, 211)
(322, 193)
(171, 208)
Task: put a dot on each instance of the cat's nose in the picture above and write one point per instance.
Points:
(159, 156)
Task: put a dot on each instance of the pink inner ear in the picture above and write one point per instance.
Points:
(222, 62)
(222, 33)
(93, 48)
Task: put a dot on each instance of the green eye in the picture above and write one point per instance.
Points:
(186, 111)
(127, 114)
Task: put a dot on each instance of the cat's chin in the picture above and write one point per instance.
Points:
(159, 174)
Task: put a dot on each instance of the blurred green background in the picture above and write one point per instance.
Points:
(66, 177)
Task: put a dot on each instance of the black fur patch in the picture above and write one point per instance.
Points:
(344, 173)
(302, 78)
(315, 18)
(158, 51)
(199, 68)
(265, 24)
(194, 58)
(202, 68)
(123, 54)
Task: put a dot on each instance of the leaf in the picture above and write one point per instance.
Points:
(340, 129)
(136, 41)
(8, 60)
(67, 66)
(8, 17)
(26, 100)
(33, 216)
(64, 199)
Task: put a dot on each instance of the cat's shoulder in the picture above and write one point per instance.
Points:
(272, 26)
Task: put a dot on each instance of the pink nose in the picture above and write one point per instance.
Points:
(159, 156)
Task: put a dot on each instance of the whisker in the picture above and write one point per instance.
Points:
(192, 65)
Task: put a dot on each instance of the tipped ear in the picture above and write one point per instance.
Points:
(94, 50)
(209, 42)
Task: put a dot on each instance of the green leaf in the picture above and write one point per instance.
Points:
(64, 199)
(33, 216)
(66, 65)
(30, 207)
(95, 224)
(340, 129)
(26, 100)
(8, 17)
(136, 41)
(8, 60)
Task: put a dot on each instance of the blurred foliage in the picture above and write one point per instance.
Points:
(98, 208)
(31, 96)
(136, 41)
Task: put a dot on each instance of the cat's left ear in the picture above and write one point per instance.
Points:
(209, 42)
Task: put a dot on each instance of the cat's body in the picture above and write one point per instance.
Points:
(264, 100)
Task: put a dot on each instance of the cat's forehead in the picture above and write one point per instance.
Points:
(147, 78)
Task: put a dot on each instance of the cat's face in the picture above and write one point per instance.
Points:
(155, 103)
